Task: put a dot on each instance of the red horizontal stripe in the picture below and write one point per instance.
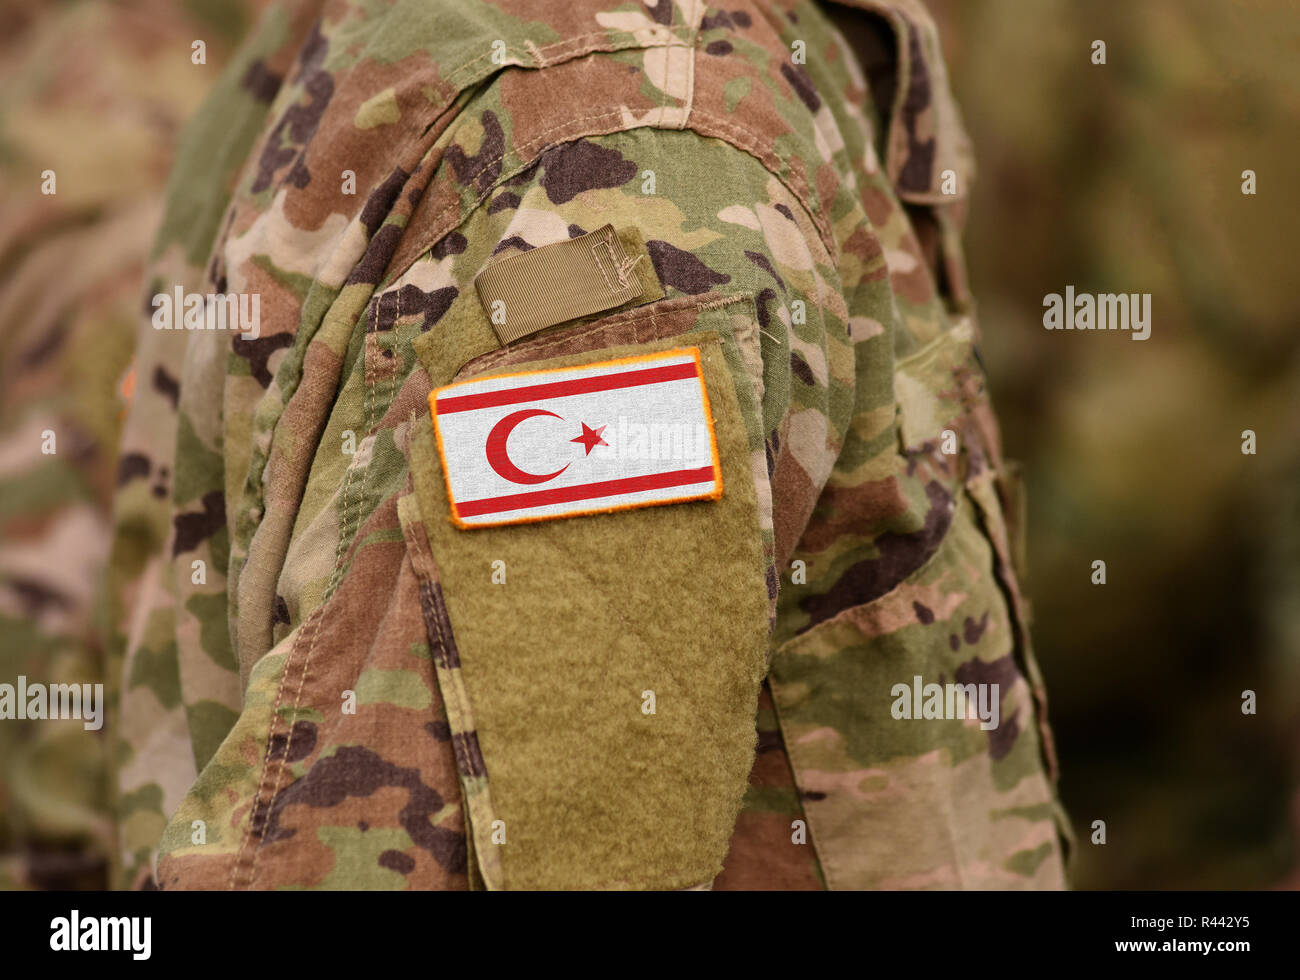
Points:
(577, 386)
(587, 491)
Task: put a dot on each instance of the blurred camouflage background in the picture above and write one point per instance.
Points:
(95, 92)
(1127, 177)
(1122, 177)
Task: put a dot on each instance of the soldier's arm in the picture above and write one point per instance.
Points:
(471, 645)
(587, 684)
(626, 649)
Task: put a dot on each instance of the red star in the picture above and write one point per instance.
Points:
(590, 438)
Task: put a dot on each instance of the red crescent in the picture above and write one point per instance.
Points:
(499, 459)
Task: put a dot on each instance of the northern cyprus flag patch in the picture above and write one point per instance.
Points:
(539, 445)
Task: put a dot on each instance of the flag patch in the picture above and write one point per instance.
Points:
(539, 445)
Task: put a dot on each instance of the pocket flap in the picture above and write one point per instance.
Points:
(610, 665)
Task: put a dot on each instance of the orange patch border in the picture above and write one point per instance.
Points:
(715, 494)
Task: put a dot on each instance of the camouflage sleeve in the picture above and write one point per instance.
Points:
(635, 642)
(386, 697)
(737, 258)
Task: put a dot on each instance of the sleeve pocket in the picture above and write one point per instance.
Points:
(606, 667)
(901, 790)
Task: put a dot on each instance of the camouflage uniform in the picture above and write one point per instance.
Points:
(792, 223)
(95, 93)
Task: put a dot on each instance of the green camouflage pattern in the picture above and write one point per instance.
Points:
(95, 93)
(1133, 450)
(262, 574)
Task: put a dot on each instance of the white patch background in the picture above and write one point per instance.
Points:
(674, 410)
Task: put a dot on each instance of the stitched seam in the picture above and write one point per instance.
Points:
(595, 258)
(671, 39)
(437, 234)
(750, 143)
(449, 86)
(697, 19)
(266, 760)
(663, 105)
(539, 59)
(796, 184)
(453, 693)
(317, 615)
(261, 782)
(627, 266)
(724, 301)
(595, 328)
(671, 35)
(522, 148)
(282, 762)
(619, 270)
(345, 532)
